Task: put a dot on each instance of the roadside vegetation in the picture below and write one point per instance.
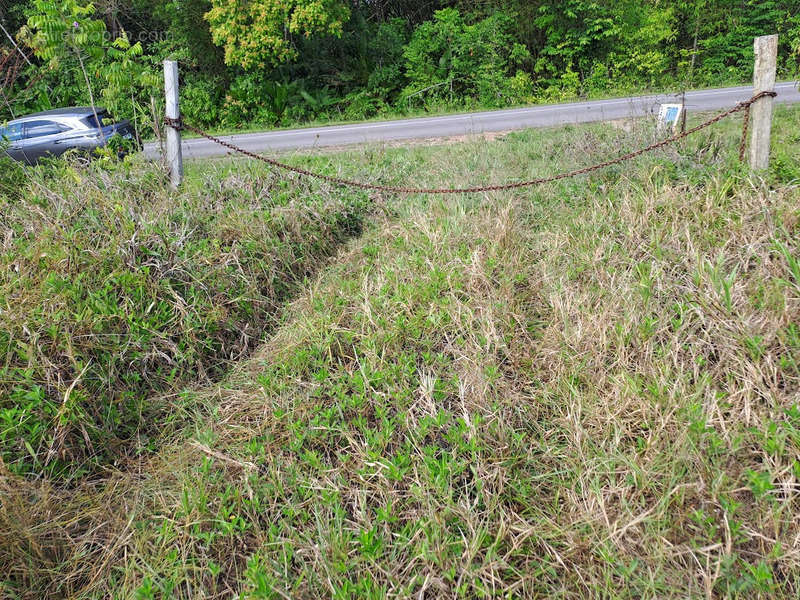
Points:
(284, 63)
(587, 389)
(114, 289)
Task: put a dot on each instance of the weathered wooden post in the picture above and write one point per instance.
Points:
(174, 156)
(766, 48)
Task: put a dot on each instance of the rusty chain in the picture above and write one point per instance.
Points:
(745, 105)
(745, 126)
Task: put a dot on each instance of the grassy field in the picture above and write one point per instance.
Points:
(587, 389)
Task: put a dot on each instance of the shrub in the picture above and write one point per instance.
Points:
(362, 105)
(474, 59)
(200, 101)
(520, 87)
(386, 49)
(242, 100)
(257, 98)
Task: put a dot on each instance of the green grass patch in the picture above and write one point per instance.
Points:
(114, 290)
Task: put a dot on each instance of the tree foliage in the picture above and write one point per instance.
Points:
(254, 32)
(276, 62)
(70, 40)
(448, 56)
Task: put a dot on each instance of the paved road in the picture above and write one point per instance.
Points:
(473, 123)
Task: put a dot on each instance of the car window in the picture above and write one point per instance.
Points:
(12, 132)
(34, 129)
(103, 116)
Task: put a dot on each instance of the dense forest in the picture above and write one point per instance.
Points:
(282, 62)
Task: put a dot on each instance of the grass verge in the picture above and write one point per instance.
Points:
(584, 389)
(114, 290)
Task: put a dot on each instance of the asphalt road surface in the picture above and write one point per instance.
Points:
(474, 123)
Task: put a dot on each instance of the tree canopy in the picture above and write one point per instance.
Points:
(255, 33)
(271, 62)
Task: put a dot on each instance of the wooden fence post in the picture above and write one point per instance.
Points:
(173, 150)
(766, 48)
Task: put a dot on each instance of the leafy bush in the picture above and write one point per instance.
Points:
(363, 104)
(316, 104)
(386, 50)
(473, 60)
(113, 290)
(200, 101)
(242, 101)
(257, 98)
(520, 88)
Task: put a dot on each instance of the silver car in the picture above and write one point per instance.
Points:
(53, 132)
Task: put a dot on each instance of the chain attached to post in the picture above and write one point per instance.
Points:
(179, 124)
(176, 123)
(745, 127)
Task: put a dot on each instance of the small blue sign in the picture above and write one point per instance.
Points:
(671, 115)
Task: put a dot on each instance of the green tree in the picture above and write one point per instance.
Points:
(726, 41)
(448, 56)
(254, 32)
(67, 31)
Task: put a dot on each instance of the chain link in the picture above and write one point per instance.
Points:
(745, 105)
(745, 126)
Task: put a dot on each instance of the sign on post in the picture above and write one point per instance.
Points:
(669, 115)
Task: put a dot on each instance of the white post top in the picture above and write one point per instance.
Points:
(173, 150)
(766, 49)
(171, 88)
